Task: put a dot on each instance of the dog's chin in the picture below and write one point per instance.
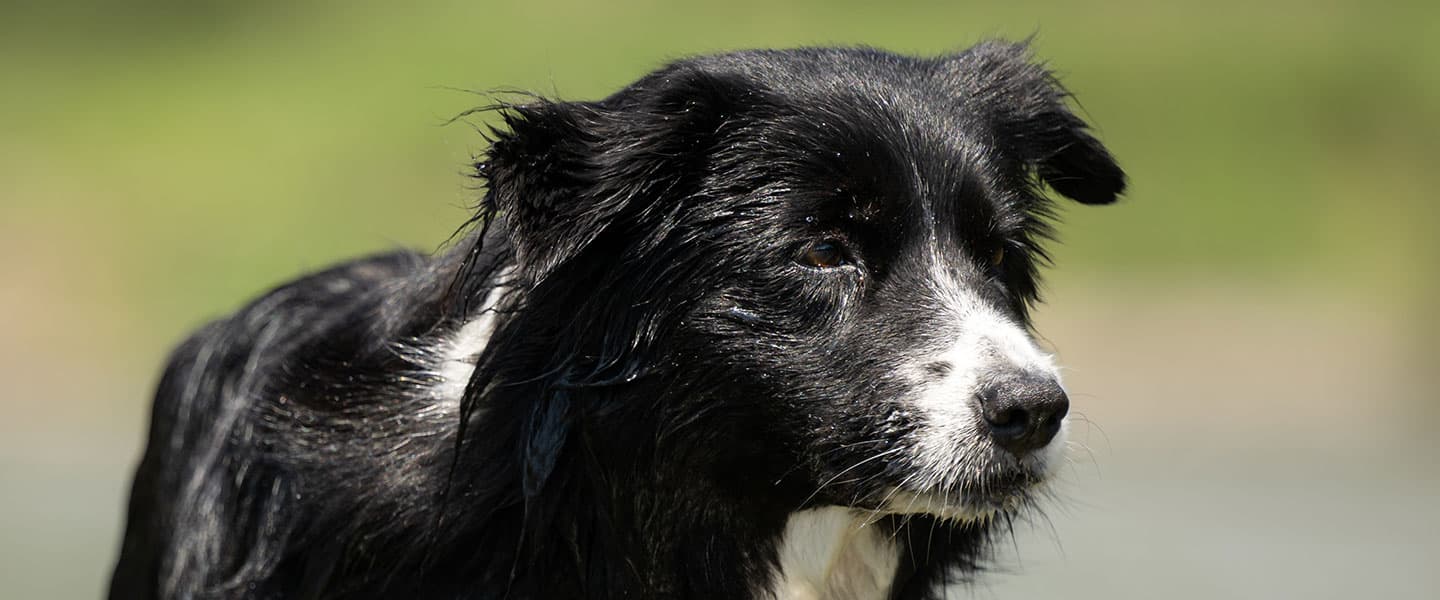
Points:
(1001, 489)
(995, 500)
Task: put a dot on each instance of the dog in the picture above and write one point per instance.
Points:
(754, 326)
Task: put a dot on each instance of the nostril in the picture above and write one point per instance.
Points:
(1011, 422)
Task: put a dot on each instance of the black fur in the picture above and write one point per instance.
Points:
(665, 384)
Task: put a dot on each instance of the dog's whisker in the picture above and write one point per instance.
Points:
(832, 479)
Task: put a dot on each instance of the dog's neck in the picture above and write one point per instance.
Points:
(823, 553)
(834, 553)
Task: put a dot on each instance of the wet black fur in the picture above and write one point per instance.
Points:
(666, 384)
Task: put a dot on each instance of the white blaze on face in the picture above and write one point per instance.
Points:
(984, 342)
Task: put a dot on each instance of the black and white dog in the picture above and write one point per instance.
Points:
(752, 327)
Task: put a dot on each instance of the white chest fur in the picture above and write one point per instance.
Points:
(831, 554)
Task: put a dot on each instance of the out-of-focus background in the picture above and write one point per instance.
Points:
(1249, 333)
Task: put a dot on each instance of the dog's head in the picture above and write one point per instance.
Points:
(820, 259)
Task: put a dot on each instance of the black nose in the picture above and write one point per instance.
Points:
(1024, 411)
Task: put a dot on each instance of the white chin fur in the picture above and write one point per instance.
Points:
(950, 507)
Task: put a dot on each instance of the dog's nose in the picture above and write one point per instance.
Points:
(1023, 412)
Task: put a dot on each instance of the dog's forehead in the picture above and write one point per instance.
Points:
(806, 70)
(900, 143)
(888, 136)
(827, 79)
(864, 107)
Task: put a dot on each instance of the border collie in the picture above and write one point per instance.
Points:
(754, 326)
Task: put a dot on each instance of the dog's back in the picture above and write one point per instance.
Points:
(219, 475)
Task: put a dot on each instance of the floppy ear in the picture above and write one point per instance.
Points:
(561, 173)
(1028, 108)
(566, 175)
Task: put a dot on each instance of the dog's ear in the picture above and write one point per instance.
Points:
(560, 173)
(1028, 111)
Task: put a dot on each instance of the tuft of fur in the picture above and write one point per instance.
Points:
(621, 382)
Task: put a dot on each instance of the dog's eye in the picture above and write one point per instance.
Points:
(824, 254)
(998, 257)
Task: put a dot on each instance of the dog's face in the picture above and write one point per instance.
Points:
(826, 256)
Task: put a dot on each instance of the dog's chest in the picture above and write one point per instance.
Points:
(831, 554)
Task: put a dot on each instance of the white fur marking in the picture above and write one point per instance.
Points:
(458, 362)
(985, 340)
(834, 554)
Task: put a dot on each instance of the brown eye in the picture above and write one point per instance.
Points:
(824, 254)
(998, 257)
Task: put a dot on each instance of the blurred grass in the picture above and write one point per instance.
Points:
(161, 161)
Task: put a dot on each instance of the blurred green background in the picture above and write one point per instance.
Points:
(1249, 334)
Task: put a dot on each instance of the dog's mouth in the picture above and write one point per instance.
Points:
(975, 485)
(977, 499)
